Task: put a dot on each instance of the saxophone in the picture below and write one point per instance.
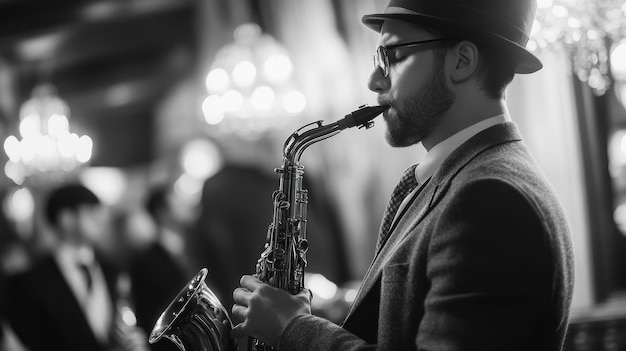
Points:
(196, 320)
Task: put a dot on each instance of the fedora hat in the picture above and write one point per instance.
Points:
(506, 23)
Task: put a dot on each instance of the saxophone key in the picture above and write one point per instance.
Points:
(303, 246)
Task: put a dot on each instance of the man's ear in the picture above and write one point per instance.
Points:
(464, 61)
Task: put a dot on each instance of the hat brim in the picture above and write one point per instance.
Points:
(526, 62)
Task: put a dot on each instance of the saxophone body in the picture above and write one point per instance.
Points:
(196, 320)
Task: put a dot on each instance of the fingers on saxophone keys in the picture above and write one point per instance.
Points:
(242, 296)
(250, 282)
(239, 313)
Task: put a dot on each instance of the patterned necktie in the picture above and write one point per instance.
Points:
(407, 183)
(84, 269)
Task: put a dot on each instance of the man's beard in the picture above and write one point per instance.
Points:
(418, 116)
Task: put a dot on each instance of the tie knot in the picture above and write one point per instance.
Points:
(408, 180)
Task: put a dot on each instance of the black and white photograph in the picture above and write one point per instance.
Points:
(295, 175)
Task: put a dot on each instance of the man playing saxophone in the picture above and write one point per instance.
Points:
(474, 254)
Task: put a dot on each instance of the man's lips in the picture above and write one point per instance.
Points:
(385, 103)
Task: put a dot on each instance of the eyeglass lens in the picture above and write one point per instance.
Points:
(381, 60)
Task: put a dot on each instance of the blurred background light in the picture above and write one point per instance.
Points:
(187, 186)
(350, 295)
(278, 69)
(12, 148)
(21, 205)
(320, 286)
(294, 102)
(618, 59)
(585, 30)
(57, 125)
(262, 98)
(213, 109)
(232, 100)
(108, 183)
(200, 159)
(251, 87)
(244, 74)
(47, 152)
(217, 80)
(618, 69)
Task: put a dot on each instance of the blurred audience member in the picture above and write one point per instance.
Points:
(159, 269)
(2, 307)
(236, 212)
(68, 299)
(14, 258)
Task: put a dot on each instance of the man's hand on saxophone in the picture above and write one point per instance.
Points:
(263, 311)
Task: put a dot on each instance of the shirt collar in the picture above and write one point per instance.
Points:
(70, 255)
(438, 153)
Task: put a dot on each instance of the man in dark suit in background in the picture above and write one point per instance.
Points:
(68, 299)
(231, 231)
(475, 255)
(160, 270)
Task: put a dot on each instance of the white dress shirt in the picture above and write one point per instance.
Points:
(438, 153)
(96, 301)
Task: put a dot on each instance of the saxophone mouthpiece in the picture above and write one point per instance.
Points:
(362, 117)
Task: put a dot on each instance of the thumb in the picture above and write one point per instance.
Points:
(306, 293)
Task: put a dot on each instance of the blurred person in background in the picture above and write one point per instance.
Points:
(15, 257)
(3, 289)
(160, 268)
(70, 298)
(5, 233)
(476, 254)
(236, 212)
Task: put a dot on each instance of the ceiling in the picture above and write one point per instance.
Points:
(111, 60)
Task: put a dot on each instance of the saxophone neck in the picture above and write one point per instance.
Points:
(304, 137)
(314, 132)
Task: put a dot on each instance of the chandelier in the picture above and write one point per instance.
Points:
(47, 151)
(250, 85)
(586, 29)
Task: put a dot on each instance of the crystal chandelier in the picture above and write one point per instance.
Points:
(47, 152)
(586, 29)
(250, 85)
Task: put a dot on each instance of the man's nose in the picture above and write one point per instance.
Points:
(377, 81)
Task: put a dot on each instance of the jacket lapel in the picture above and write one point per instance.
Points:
(432, 193)
(62, 303)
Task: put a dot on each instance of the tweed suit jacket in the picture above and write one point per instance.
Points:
(480, 260)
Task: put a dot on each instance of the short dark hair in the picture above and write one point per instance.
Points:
(494, 71)
(68, 197)
(496, 68)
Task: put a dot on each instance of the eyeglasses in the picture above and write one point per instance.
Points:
(381, 58)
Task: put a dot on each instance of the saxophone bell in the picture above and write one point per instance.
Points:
(195, 320)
